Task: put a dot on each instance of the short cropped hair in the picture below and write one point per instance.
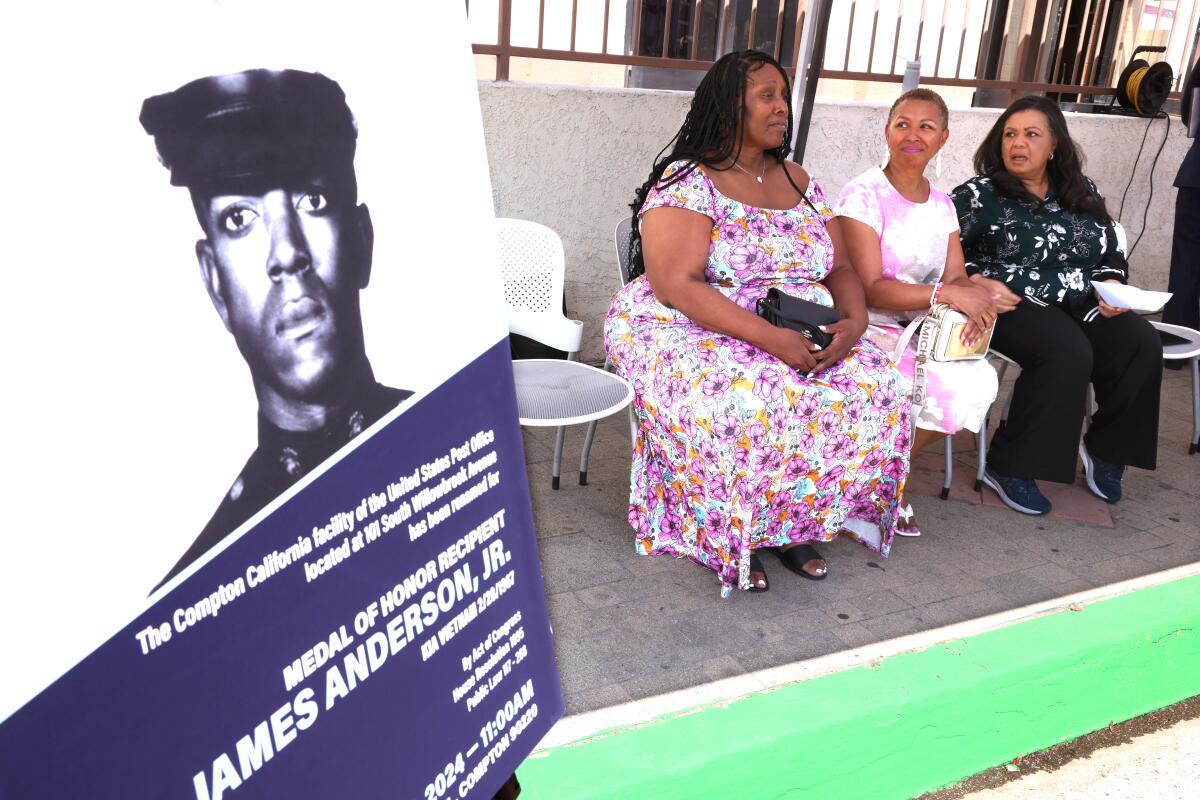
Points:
(929, 96)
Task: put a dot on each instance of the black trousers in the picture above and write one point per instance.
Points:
(1059, 356)
(1184, 280)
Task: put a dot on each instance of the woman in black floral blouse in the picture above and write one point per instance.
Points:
(1032, 220)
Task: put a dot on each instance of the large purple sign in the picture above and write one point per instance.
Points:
(382, 633)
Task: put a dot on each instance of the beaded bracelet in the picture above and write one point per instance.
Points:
(937, 292)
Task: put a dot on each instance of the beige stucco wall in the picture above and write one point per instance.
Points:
(571, 158)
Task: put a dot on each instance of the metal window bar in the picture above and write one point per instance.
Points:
(666, 42)
(1157, 17)
(1050, 46)
(1040, 64)
(779, 19)
(937, 59)
(920, 30)
(1024, 33)
(1086, 37)
(1185, 64)
(503, 39)
(604, 30)
(1094, 66)
(574, 20)
(895, 44)
(1092, 22)
(1085, 28)
(1193, 25)
(1174, 29)
(981, 52)
(1061, 39)
(1057, 25)
(720, 26)
(871, 45)
(797, 38)
(750, 27)
(962, 42)
(1086, 23)
(637, 28)
(849, 34)
(1101, 21)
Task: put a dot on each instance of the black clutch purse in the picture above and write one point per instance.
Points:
(784, 311)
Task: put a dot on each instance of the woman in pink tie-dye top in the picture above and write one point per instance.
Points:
(902, 236)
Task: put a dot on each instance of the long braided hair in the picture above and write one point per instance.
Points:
(709, 135)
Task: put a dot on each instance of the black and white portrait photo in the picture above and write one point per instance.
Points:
(267, 157)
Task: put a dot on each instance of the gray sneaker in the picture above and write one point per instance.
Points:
(1019, 494)
(1103, 478)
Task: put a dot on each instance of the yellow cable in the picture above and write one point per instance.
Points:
(1133, 85)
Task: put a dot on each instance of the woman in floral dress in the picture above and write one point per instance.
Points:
(749, 435)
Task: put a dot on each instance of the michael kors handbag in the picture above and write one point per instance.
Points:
(940, 339)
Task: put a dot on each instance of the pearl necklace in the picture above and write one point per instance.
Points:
(758, 178)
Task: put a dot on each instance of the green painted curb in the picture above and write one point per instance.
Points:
(909, 724)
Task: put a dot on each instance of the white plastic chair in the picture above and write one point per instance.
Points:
(1005, 362)
(551, 392)
(621, 237)
(981, 435)
(1189, 352)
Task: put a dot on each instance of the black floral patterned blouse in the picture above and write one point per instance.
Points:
(1046, 254)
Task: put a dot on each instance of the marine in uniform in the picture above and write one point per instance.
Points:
(268, 157)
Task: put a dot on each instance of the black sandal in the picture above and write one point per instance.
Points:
(756, 565)
(794, 558)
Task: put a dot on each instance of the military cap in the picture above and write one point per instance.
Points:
(253, 125)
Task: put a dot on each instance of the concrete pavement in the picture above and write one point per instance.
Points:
(629, 627)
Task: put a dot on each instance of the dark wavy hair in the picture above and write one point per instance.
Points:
(709, 134)
(1075, 192)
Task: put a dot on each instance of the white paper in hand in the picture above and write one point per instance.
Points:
(1131, 297)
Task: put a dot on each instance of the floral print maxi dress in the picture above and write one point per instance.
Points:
(735, 450)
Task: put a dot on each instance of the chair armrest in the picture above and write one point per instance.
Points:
(554, 330)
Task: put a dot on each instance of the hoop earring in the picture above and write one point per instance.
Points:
(937, 166)
(1052, 156)
(887, 155)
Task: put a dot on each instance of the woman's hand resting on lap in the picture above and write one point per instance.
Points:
(792, 349)
(1004, 299)
(846, 333)
(976, 303)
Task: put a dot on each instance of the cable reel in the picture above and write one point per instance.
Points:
(1143, 87)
